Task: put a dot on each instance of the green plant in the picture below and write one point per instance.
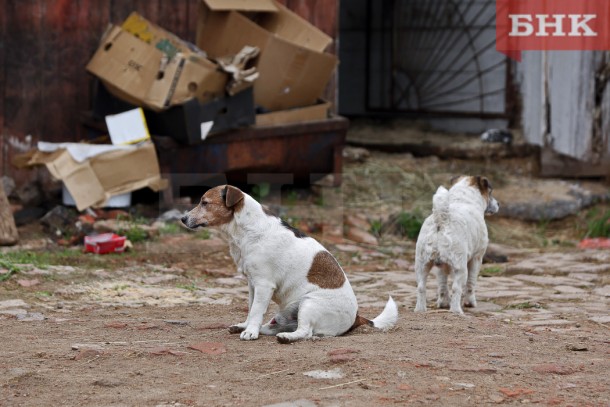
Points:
(134, 234)
(598, 226)
(292, 197)
(190, 287)
(491, 271)
(170, 229)
(43, 294)
(203, 234)
(10, 267)
(260, 191)
(410, 223)
(376, 226)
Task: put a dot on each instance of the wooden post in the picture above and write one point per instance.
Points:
(8, 230)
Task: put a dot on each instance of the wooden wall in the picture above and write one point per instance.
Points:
(45, 45)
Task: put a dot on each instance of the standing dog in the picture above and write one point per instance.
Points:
(283, 265)
(454, 239)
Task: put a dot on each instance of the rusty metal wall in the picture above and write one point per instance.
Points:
(45, 45)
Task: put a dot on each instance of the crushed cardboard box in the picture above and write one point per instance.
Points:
(145, 65)
(93, 174)
(293, 67)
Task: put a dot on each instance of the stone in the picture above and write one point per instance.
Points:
(360, 236)
(17, 303)
(554, 369)
(325, 374)
(86, 354)
(28, 283)
(30, 316)
(515, 392)
(210, 348)
(295, 403)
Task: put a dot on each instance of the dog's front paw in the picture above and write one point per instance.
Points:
(248, 335)
(235, 329)
(457, 310)
(420, 308)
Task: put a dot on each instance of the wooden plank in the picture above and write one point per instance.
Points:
(64, 61)
(8, 229)
(173, 16)
(120, 9)
(571, 93)
(23, 61)
(533, 95)
(3, 22)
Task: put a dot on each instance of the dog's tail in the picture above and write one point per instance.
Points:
(440, 206)
(384, 321)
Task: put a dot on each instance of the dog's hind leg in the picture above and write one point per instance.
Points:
(460, 274)
(421, 273)
(442, 300)
(474, 266)
(307, 314)
(284, 321)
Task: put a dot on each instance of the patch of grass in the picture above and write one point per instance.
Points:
(376, 226)
(120, 287)
(134, 234)
(524, 305)
(260, 191)
(40, 259)
(203, 234)
(410, 223)
(170, 229)
(598, 225)
(491, 271)
(43, 294)
(190, 287)
(10, 267)
(292, 198)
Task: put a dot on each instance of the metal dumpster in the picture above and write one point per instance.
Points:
(304, 152)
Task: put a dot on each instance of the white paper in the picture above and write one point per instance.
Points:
(205, 129)
(128, 127)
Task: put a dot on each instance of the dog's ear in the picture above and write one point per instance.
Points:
(454, 180)
(232, 196)
(483, 184)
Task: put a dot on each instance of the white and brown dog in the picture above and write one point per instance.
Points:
(454, 239)
(283, 265)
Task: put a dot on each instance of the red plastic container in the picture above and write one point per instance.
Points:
(105, 243)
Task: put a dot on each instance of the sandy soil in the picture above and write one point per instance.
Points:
(148, 328)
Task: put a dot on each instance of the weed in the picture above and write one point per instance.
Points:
(376, 226)
(203, 234)
(260, 191)
(598, 225)
(43, 294)
(170, 229)
(292, 198)
(120, 287)
(491, 271)
(190, 287)
(10, 267)
(524, 305)
(410, 223)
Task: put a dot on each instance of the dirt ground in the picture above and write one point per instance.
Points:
(148, 327)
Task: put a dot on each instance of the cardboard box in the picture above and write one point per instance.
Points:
(293, 68)
(154, 74)
(191, 122)
(184, 122)
(318, 111)
(93, 177)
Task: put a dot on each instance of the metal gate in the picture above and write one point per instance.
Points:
(435, 56)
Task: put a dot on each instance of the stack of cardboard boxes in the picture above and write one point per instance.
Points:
(182, 88)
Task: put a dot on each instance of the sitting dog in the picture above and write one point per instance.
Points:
(454, 239)
(284, 265)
